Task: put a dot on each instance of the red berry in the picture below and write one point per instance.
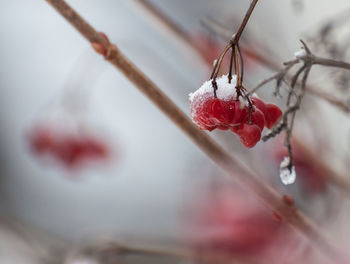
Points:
(220, 113)
(260, 104)
(41, 140)
(249, 135)
(272, 115)
(199, 113)
(210, 113)
(239, 113)
(235, 128)
(256, 119)
(69, 151)
(94, 148)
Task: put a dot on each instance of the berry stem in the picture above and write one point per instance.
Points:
(241, 63)
(231, 64)
(237, 69)
(215, 87)
(244, 22)
(234, 40)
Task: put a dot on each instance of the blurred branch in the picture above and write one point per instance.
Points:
(112, 252)
(343, 105)
(222, 158)
(327, 62)
(162, 19)
(170, 29)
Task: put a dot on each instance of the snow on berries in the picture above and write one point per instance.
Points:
(231, 111)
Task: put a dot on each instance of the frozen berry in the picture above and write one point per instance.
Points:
(200, 114)
(239, 113)
(257, 118)
(209, 110)
(272, 114)
(220, 113)
(260, 104)
(249, 135)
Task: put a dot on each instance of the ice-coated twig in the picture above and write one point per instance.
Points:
(222, 158)
(274, 65)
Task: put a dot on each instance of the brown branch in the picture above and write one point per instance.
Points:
(113, 250)
(223, 159)
(330, 62)
(110, 252)
(311, 59)
(237, 36)
(221, 31)
(232, 44)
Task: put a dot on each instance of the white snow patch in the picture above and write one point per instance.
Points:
(225, 91)
(300, 53)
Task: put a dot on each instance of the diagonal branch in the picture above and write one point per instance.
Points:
(222, 158)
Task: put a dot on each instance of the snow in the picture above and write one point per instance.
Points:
(225, 91)
(287, 176)
(300, 53)
(243, 102)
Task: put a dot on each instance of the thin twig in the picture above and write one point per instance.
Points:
(225, 34)
(328, 62)
(279, 76)
(234, 41)
(222, 158)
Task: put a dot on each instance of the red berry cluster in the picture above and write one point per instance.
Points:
(210, 113)
(70, 149)
(224, 222)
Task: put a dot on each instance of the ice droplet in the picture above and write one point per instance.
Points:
(287, 176)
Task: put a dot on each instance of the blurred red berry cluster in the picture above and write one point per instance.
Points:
(213, 113)
(228, 224)
(70, 149)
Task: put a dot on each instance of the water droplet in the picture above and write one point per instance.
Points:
(287, 176)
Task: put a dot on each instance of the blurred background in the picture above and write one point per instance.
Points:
(141, 182)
